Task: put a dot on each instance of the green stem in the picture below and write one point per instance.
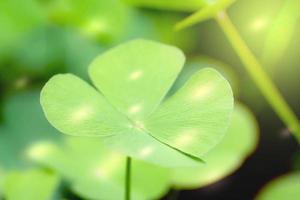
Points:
(128, 178)
(259, 76)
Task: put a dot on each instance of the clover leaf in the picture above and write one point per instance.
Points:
(285, 187)
(101, 170)
(238, 143)
(200, 62)
(33, 184)
(129, 111)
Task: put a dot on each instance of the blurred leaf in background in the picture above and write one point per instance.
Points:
(98, 19)
(17, 19)
(209, 11)
(205, 9)
(102, 172)
(280, 33)
(284, 187)
(2, 179)
(24, 124)
(187, 5)
(34, 185)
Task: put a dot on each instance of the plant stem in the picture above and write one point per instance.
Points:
(259, 76)
(128, 178)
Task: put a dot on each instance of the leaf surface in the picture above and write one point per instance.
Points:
(239, 142)
(195, 118)
(136, 76)
(285, 187)
(34, 184)
(76, 108)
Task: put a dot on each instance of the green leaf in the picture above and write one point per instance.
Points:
(102, 172)
(77, 61)
(2, 178)
(133, 78)
(188, 5)
(16, 139)
(76, 108)
(136, 76)
(205, 13)
(195, 118)
(238, 143)
(140, 145)
(281, 32)
(201, 62)
(46, 51)
(17, 21)
(285, 187)
(97, 19)
(34, 184)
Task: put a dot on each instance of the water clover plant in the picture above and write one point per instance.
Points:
(129, 112)
(102, 170)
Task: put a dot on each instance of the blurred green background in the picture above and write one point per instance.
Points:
(40, 38)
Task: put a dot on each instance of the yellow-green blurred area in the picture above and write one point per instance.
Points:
(40, 38)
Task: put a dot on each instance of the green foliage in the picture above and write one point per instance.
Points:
(200, 62)
(281, 32)
(206, 13)
(187, 5)
(15, 140)
(285, 187)
(102, 172)
(2, 178)
(238, 143)
(130, 118)
(206, 9)
(17, 21)
(102, 20)
(33, 185)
